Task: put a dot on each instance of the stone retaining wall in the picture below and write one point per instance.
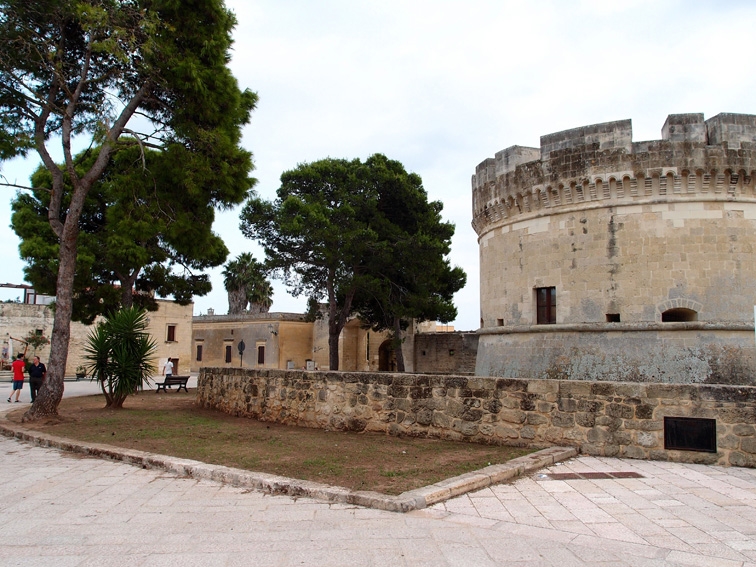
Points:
(600, 418)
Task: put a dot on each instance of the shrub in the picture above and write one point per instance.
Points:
(120, 354)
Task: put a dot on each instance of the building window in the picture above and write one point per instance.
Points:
(612, 317)
(679, 315)
(228, 353)
(199, 353)
(261, 354)
(171, 334)
(545, 305)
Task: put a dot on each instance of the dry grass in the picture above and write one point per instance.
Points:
(170, 424)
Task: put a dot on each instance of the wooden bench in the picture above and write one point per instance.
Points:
(179, 381)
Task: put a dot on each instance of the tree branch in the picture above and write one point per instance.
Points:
(6, 183)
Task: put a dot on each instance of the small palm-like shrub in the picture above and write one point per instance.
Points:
(120, 354)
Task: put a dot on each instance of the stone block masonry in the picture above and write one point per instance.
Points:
(604, 259)
(618, 419)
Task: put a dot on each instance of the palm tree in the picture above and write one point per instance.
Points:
(246, 284)
(120, 354)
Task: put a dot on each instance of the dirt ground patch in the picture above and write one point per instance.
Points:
(171, 424)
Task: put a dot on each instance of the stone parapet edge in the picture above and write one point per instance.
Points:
(601, 327)
(274, 484)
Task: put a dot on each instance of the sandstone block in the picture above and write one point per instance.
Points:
(644, 411)
(648, 440)
(738, 459)
(728, 441)
(748, 445)
(561, 419)
(505, 432)
(533, 418)
(512, 416)
(568, 405)
(743, 430)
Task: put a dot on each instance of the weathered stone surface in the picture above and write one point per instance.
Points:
(743, 430)
(644, 411)
(616, 425)
(561, 419)
(748, 445)
(512, 416)
(533, 418)
(742, 460)
(568, 404)
(645, 244)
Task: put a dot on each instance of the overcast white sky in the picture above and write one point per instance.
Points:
(442, 85)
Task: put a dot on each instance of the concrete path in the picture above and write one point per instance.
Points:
(61, 509)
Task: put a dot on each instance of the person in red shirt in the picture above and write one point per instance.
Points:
(18, 376)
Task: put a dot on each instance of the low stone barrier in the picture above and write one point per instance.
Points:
(620, 419)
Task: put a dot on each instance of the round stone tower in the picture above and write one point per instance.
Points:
(607, 259)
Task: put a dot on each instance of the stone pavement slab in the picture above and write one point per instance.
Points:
(684, 513)
(65, 509)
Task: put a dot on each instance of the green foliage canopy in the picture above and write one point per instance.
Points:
(361, 235)
(137, 226)
(413, 279)
(317, 233)
(77, 72)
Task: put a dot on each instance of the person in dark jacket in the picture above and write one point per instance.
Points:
(37, 373)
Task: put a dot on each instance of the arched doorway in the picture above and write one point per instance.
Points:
(386, 357)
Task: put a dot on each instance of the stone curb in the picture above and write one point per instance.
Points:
(274, 484)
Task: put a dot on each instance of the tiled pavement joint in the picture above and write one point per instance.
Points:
(274, 484)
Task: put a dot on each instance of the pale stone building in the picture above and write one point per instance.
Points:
(170, 326)
(287, 341)
(605, 258)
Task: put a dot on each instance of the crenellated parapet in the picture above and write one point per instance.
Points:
(600, 166)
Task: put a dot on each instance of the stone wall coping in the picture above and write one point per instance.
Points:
(649, 326)
(249, 317)
(566, 388)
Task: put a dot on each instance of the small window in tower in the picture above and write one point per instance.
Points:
(500, 322)
(679, 315)
(228, 353)
(545, 305)
(171, 334)
(199, 353)
(612, 317)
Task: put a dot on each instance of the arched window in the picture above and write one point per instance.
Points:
(679, 315)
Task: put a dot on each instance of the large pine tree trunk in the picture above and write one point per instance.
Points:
(127, 288)
(46, 402)
(397, 342)
(334, 330)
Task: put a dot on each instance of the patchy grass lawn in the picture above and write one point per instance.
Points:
(170, 424)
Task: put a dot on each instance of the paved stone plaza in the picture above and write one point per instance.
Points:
(61, 509)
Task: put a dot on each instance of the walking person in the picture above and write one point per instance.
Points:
(168, 370)
(18, 367)
(37, 374)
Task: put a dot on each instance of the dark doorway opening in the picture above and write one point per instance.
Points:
(386, 357)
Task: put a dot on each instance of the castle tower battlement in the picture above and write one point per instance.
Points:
(696, 159)
(602, 258)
